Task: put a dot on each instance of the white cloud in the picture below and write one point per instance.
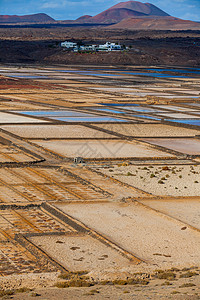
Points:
(191, 16)
(53, 4)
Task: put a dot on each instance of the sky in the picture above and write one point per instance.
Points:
(72, 9)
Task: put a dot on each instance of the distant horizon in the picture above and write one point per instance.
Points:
(73, 9)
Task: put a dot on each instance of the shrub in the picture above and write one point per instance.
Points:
(161, 182)
(61, 284)
(188, 274)
(23, 290)
(129, 174)
(6, 293)
(166, 275)
(79, 283)
(130, 281)
(189, 284)
(166, 168)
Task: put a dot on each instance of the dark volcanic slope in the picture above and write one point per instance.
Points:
(36, 18)
(166, 23)
(149, 47)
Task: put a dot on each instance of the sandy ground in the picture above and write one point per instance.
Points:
(10, 118)
(175, 108)
(14, 105)
(186, 146)
(41, 286)
(154, 238)
(153, 130)
(157, 289)
(128, 91)
(102, 149)
(177, 116)
(174, 181)
(185, 210)
(77, 253)
(56, 131)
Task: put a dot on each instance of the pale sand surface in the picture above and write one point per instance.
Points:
(154, 238)
(13, 105)
(10, 118)
(152, 291)
(101, 148)
(176, 108)
(176, 181)
(178, 116)
(130, 91)
(185, 210)
(149, 130)
(156, 289)
(186, 146)
(81, 253)
(31, 280)
(56, 131)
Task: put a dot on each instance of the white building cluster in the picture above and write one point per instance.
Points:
(105, 47)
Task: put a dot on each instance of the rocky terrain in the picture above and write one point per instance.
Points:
(42, 45)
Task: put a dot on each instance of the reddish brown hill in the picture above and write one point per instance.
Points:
(145, 8)
(84, 18)
(165, 23)
(35, 18)
(125, 10)
(116, 15)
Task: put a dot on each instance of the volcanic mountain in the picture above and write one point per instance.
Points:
(35, 18)
(165, 23)
(84, 18)
(125, 10)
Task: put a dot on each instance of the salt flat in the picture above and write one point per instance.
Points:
(156, 239)
(102, 149)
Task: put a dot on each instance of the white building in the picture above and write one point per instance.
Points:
(68, 45)
(88, 48)
(109, 47)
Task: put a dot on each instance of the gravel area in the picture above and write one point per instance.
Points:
(56, 131)
(170, 180)
(153, 130)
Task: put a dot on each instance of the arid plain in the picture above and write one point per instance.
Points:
(126, 218)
